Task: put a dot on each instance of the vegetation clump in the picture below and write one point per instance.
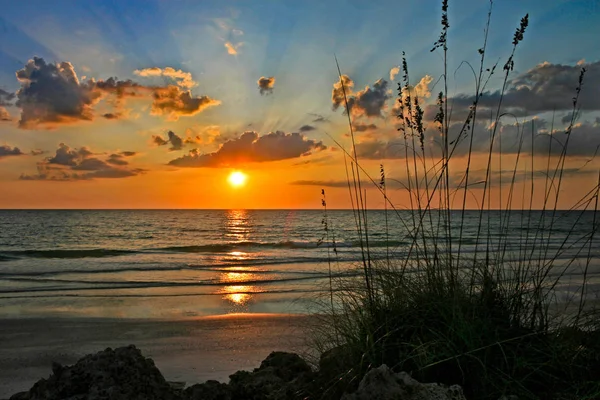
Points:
(478, 309)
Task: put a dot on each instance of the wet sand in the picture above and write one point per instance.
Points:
(191, 351)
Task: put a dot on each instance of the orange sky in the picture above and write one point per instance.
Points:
(207, 90)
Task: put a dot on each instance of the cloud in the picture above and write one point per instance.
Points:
(251, 147)
(182, 79)
(344, 85)
(71, 164)
(175, 140)
(393, 72)
(4, 115)
(331, 184)
(544, 88)
(6, 151)
(368, 102)
(265, 85)
(6, 98)
(584, 141)
(318, 118)
(307, 128)
(51, 94)
(232, 48)
(360, 127)
(174, 102)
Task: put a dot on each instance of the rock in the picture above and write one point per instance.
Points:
(280, 376)
(334, 362)
(119, 374)
(382, 384)
(209, 390)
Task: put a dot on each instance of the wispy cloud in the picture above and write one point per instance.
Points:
(182, 78)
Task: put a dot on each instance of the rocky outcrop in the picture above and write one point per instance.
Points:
(383, 384)
(280, 376)
(120, 374)
(124, 374)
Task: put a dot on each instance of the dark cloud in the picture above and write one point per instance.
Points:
(544, 88)
(37, 152)
(360, 127)
(176, 141)
(174, 102)
(332, 184)
(250, 147)
(368, 102)
(307, 128)
(583, 141)
(69, 164)
(6, 151)
(6, 98)
(51, 93)
(266, 85)
(318, 118)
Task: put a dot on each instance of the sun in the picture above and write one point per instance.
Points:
(237, 179)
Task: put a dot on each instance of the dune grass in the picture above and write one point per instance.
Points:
(485, 314)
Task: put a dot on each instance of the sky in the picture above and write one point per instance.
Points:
(154, 103)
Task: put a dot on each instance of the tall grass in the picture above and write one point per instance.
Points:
(485, 314)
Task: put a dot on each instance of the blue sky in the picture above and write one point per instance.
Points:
(227, 46)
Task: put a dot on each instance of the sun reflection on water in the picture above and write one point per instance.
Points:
(237, 225)
(236, 291)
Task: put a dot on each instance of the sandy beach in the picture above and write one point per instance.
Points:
(191, 351)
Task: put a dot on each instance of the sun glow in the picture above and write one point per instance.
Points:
(237, 179)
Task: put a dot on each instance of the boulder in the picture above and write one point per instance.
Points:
(120, 374)
(209, 390)
(280, 376)
(382, 383)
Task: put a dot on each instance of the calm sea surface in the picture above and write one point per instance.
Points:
(187, 263)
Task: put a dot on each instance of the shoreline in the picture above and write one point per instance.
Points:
(191, 350)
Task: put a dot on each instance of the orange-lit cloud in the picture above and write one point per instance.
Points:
(266, 85)
(369, 102)
(4, 115)
(393, 72)
(174, 102)
(232, 48)
(182, 78)
(250, 147)
(52, 94)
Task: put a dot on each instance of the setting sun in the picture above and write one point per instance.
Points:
(237, 179)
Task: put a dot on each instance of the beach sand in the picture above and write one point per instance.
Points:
(191, 351)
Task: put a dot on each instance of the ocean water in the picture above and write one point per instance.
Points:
(190, 263)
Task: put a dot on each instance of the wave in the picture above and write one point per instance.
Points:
(7, 255)
(78, 253)
(249, 267)
(120, 285)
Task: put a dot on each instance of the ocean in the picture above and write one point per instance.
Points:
(170, 264)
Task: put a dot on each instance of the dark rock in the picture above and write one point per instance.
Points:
(280, 376)
(335, 363)
(383, 384)
(209, 390)
(120, 374)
